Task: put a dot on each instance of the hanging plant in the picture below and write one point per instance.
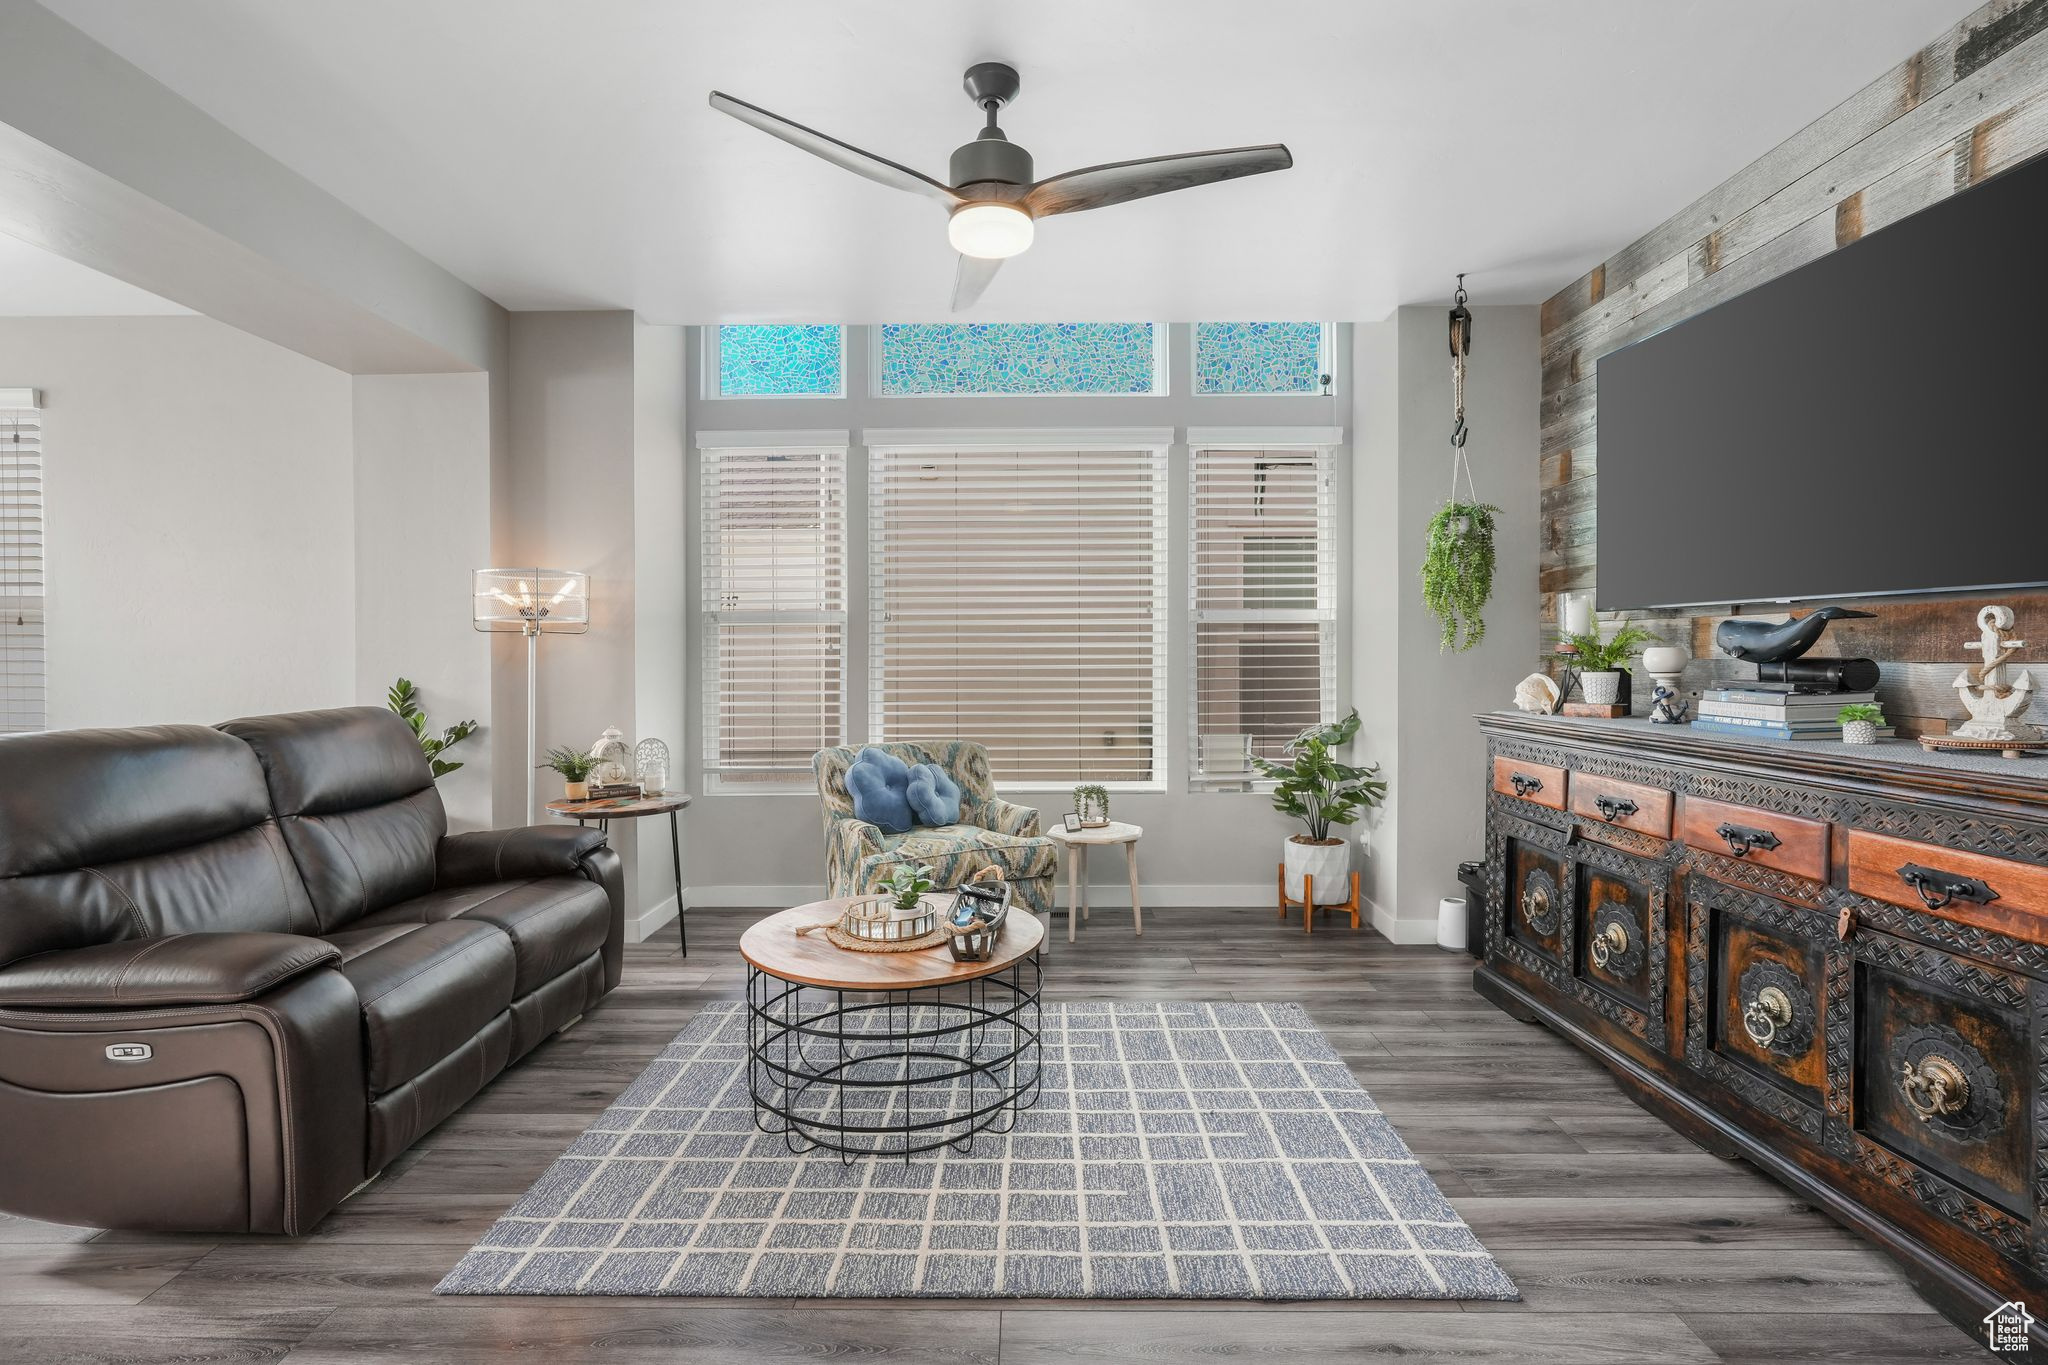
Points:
(1457, 573)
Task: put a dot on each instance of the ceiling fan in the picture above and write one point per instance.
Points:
(993, 200)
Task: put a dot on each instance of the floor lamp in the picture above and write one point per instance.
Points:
(534, 602)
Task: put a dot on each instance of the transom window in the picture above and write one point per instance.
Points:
(1252, 358)
(780, 360)
(1047, 359)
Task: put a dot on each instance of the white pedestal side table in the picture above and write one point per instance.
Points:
(1077, 842)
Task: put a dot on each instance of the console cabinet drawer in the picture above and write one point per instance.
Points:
(1537, 782)
(1788, 843)
(1646, 810)
(1754, 1017)
(1970, 888)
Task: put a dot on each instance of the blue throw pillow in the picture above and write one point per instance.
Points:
(879, 782)
(934, 797)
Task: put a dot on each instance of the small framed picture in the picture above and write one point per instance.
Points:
(1072, 822)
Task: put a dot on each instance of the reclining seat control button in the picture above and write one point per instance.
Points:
(129, 1052)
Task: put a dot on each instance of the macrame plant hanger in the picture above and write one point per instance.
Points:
(1461, 348)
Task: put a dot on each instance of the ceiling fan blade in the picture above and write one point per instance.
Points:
(1095, 187)
(973, 276)
(845, 155)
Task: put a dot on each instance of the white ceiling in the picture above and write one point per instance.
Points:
(35, 283)
(560, 155)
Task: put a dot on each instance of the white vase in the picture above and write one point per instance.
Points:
(1601, 689)
(1859, 732)
(1328, 864)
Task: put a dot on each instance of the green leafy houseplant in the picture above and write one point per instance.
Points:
(404, 698)
(1457, 571)
(573, 764)
(907, 883)
(1091, 803)
(1862, 711)
(1595, 655)
(1315, 788)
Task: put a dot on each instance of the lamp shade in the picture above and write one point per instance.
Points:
(528, 601)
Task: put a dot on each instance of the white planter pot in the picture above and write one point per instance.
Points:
(1601, 689)
(1860, 732)
(1328, 864)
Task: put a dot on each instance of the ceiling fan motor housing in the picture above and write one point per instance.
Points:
(991, 160)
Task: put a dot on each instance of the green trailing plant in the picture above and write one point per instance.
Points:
(907, 883)
(1457, 571)
(1091, 801)
(573, 764)
(404, 698)
(1861, 711)
(1594, 655)
(1318, 790)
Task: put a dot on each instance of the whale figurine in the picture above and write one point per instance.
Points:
(1772, 642)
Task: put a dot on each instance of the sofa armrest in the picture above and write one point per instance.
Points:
(182, 969)
(493, 855)
(1004, 818)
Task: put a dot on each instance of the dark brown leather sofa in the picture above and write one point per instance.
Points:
(242, 968)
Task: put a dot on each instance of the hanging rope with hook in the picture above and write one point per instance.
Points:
(1461, 348)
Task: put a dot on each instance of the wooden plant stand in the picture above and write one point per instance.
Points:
(1308, 901)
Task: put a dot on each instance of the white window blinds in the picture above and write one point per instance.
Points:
(774, 582)
(1018, 599)
(1262, 594)
(21, 562)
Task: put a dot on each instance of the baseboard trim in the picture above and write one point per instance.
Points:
(649, 922)
(1396, 929)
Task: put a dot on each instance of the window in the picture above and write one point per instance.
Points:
(1046, 359)
(1262, 594)
(1018, 598)
(780, 361)
(1251, 358)
(21, 562)
(774, 584)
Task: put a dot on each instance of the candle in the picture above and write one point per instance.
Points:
(1578, 613)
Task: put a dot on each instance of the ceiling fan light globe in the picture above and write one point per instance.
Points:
(991, 232)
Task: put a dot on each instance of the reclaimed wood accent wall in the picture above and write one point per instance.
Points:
(1970, 104)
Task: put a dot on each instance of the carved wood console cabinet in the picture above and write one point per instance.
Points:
(1831, 963)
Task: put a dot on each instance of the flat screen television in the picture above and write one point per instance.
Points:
(1873, 422)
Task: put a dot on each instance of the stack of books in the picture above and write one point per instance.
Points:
(1774, 711)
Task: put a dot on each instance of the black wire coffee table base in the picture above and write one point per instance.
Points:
(893, 1072)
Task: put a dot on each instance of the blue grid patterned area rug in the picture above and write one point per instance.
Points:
(1177, 1150)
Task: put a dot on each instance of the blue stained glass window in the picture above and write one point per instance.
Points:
(1019, 358)
(1259, 357)
(780, 361)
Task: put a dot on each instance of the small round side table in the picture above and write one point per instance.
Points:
(632, 808)
(1077, 842)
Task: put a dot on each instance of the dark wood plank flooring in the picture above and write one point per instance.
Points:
(1629, 1244)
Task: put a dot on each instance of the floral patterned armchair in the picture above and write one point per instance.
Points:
(859, 857)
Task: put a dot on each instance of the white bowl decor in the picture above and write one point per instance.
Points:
(1602, 688)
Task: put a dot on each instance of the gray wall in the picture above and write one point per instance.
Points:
(1199, 847)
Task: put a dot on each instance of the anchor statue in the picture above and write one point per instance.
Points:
(1995, 705)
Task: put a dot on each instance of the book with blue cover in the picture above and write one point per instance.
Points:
(1755, 731)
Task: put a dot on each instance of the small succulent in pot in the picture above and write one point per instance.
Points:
(906, 884)
(1859, 723)
(1091, 803)
(575, 766)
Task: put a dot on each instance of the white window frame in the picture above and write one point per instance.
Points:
(1158, 441)
(1162, 375)
(1326, 363)
(709, 365)
(21, 431)
(1322, 443)
(709, 444)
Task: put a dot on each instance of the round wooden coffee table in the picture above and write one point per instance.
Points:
(888, 1054)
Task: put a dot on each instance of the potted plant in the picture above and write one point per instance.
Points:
(575, 766)
(1860, 722)
(1457, 571)
(1319, 791)
(1091, 803)
(907, 885)
(1600, 662)
(404, 699)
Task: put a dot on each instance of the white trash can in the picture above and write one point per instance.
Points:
(1450, 923)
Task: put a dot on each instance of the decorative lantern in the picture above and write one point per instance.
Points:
(614, 759)
(650, 766)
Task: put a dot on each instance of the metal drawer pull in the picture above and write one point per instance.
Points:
(1609, 943)
(1614, 808)
(1524, 784)
(1936, 1088)
(1535, 901)
(1765, 1015)
(1743, 841)
(1938, 888)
